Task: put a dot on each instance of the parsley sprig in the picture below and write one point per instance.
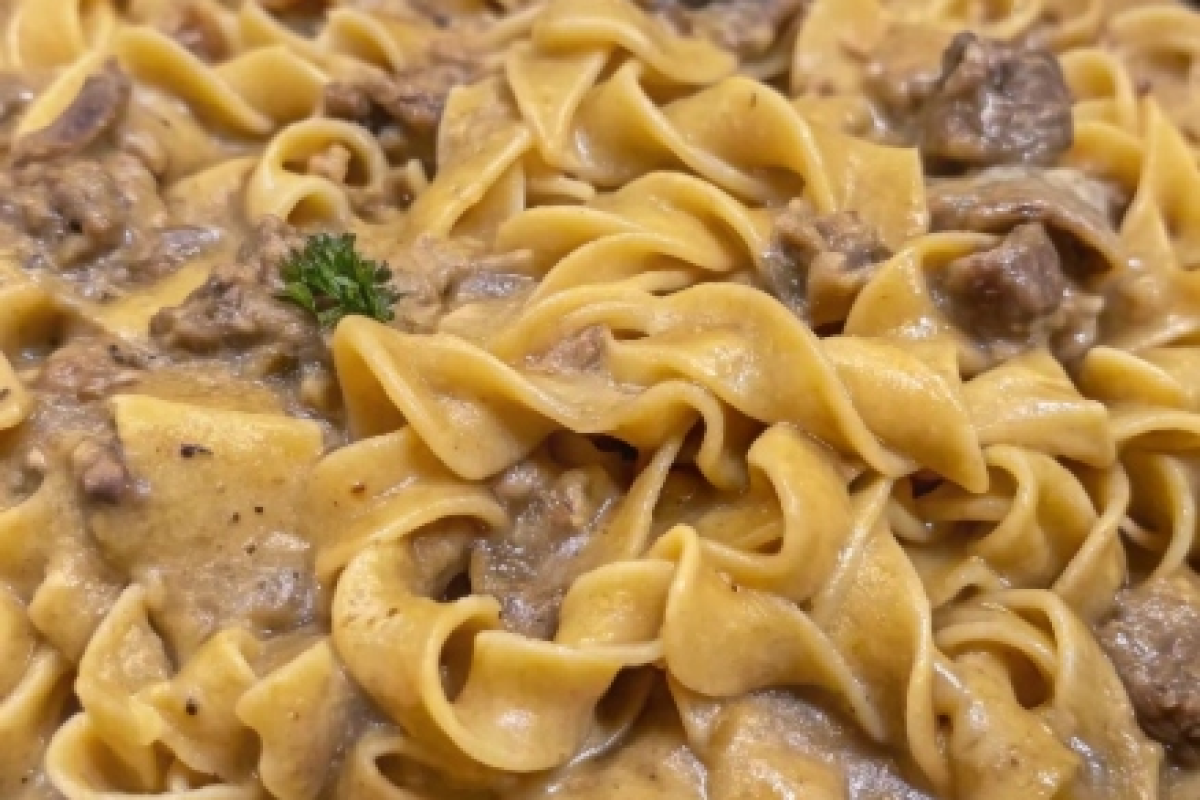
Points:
(330, 279)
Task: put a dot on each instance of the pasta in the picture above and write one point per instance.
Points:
(408, 400)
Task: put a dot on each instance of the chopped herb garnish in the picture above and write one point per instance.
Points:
(331, 280)
(192, 450)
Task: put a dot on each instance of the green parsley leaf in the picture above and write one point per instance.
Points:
(330, 279)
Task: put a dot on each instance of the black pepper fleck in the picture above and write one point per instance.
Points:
(236, 517)
(258, 509)
(191, 708)
(193, 450)
(610, 444)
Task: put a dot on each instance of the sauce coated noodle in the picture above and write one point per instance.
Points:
(780, 398)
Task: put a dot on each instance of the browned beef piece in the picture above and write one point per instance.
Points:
(269, 245)
(819, 263)
(412, 100)
(73, 210)
(231, 311)
(1153, 640)
(1019, 295)
(90, 115)
(100, 470)
(842, 233)
(403, 111)
(529, 568)
(105, 215)
(238, 308)
(1009, 291)
(745, 27)
(417, 97)
(72, 386)
(89, 368)
(350, 101)
(996, 200)
(997, 103)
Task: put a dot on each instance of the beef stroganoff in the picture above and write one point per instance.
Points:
(599, 398)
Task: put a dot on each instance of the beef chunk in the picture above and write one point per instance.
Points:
(238, 309)
(745, 27)
(842, 233)
(71, 419)
(1153, 640)
(100, 222)
(997, 103)
(100, 471)
(350, 101)
(98, 105)
(269, 245)
(89, 368)
(74, 209)
(408, 104)
(995, 200)
(404, 112)
(231, 311)
(819, 263)
(1016, 296)
(530, 567)
(81, 212)
(417, 98)
(1006, 292)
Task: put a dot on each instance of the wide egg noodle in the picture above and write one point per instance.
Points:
(848, 560)
(56, 33)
